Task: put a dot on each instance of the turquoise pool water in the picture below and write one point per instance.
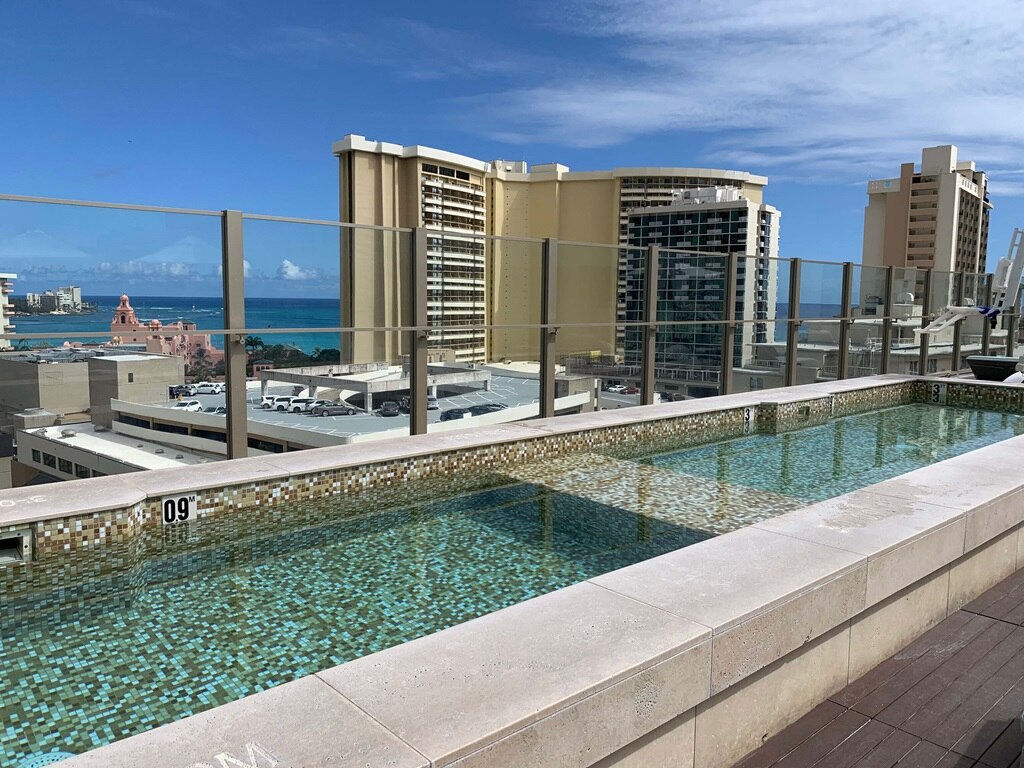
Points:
(844, 454)
(92, 663)
(208, 628)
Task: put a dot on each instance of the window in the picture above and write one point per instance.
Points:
(81, 471)
(756, 382)
(36, 456)
(64, 466)
(49, 460)
(131, 378)
(97, 473)
(933, 366)
(125, 419)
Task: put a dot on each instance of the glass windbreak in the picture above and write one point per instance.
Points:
(974, 327)
(296, 407)
(110, 312)
(761, 333)
(500, 382)
(599, 291)
(907, 311)
(864, 355)
(821, 290)
(940, 354)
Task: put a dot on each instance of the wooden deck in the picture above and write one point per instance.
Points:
(951, 699)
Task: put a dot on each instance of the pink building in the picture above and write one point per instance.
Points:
(170, 339)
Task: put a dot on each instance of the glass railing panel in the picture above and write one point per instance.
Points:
(312, 404)
(818, 345)
(906, 312)
(870, 310)
(821, 290)
(761, 335)
(114, 311)
(940, 353)
(503, 383)
(596, 337)
(691, 295)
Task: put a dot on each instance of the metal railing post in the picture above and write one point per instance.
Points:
(1011, 331)
(548, 331)
(958, 300)
(846, 304)
(926, 310)
(233, 279)
(417, 298)
(729, 326)
(649, 331)
(793, 324)
(986, 327)
(887, 320)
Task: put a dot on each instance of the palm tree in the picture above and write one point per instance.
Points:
(253, 343)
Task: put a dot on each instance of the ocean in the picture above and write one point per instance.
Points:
(206, 313)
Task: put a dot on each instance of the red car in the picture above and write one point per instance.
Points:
(631, 391)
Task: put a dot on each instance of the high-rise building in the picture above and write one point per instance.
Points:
(475, 280)
(933, 218)
(6, 288)
(695, 230)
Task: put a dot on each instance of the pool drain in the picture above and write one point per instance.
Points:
(37, 761)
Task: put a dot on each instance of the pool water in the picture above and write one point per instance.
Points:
(847, 453)
(208, 628)
(181, 633)
(724, 486)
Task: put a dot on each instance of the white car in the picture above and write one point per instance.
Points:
(616, 388)
(188, 405)
(276, 403)
(301, 404)
(208, 388)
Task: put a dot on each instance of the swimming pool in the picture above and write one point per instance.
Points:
(182, 633)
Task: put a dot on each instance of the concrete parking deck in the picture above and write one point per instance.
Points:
(951, 699)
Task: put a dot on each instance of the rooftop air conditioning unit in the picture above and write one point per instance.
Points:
(67, 433)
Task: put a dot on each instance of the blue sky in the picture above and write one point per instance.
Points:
(204, 104)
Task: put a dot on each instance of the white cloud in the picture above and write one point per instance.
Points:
(822, 89)
(291, 271)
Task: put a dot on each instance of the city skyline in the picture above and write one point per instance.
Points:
(197, 105)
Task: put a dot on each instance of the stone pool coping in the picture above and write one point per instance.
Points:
(24, 505)
(571, 677)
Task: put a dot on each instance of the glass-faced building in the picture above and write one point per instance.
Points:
(695, 235)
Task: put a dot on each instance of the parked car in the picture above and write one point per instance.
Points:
(208, 388)
(300, 404)
(631, 391)
(455, 413)
(220, 410)
(334, 409)
(316, 404)
(389, 408)
(616, 388)
(188, 405)
(278, 403)
(432, 403)
(181, 389)
(478, 410)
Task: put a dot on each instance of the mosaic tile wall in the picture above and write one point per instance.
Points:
(270, 506)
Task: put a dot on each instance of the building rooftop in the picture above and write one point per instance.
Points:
(137, 452)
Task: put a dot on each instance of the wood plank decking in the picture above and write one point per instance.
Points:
(951, 699)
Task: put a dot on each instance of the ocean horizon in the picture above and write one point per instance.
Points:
(207, 312)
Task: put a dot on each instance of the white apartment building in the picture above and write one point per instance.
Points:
(6, 288)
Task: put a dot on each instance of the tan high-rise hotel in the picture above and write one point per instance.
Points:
(932, 218)
(476, 281)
